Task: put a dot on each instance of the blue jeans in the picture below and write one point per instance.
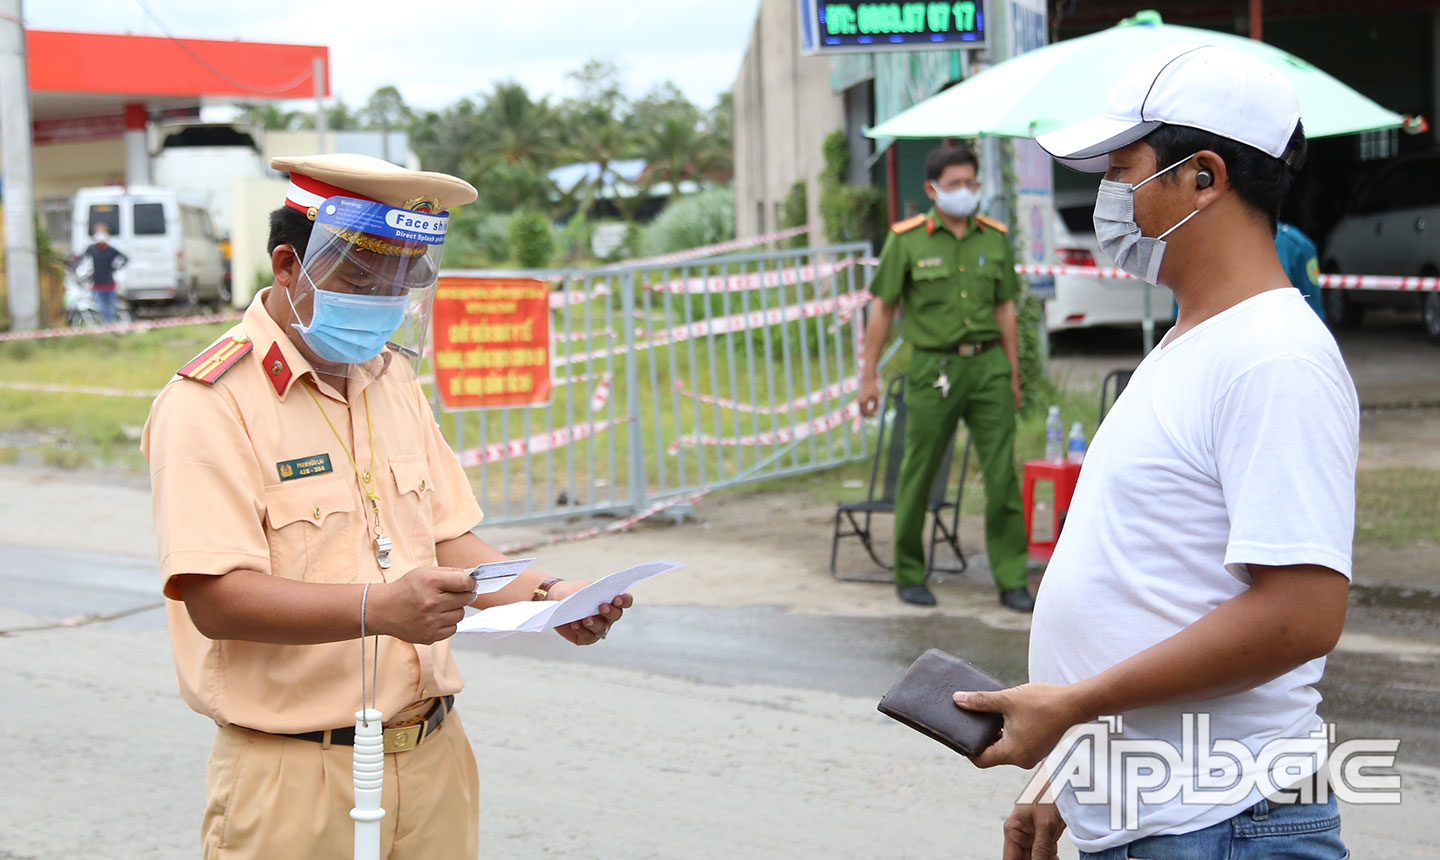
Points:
(105, 300)
(1265, 831)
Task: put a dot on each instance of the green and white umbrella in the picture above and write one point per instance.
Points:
(1064, 83)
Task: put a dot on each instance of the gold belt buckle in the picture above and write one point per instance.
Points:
(968, 350)
(404, 738)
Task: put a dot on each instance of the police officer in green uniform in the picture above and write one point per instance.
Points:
(954, 273)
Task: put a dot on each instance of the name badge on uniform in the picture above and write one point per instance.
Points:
(982, 259)
(304, 467)
(929, 262)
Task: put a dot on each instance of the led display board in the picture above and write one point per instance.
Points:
(833, 28)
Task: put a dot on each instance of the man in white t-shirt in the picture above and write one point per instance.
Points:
(1203, 572)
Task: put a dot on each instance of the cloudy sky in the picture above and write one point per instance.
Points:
(436, 51)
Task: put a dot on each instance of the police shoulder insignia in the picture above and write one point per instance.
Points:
(1312, 271)
(211, 364)
(992, 223)
(908, 224)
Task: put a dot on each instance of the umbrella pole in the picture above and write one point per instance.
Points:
(369, 774)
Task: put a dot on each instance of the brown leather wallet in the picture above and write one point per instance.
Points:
(923, 699)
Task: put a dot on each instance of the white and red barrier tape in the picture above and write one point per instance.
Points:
(118, 328)
(752, 280)
(57, 388)
(601, 393)
(622, 525)
(717, 248)
(536, 444)
(1329, 282)
(778, 436)
(844, 305)
(830, 392)
(1379, 282)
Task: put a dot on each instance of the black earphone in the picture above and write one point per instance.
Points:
(1204, 178)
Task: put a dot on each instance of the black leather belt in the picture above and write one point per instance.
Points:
(969, 350)
(400, 738)
(964, 350)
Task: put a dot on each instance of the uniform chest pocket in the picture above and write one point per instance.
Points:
(929, 269)
(415, 518)
(311, 527)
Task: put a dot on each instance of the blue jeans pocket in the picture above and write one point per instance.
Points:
(1290, 831)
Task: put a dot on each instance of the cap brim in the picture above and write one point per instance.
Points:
(1085, 146)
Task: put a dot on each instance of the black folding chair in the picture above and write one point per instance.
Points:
(1116, 380)
(884, 476)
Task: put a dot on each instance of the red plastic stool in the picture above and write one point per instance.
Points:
(1063, 476)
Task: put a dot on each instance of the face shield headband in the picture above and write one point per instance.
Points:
(366, 280)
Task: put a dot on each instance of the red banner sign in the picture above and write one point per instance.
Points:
(492, 342)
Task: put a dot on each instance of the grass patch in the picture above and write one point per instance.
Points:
(1397, 507)
(73, 430)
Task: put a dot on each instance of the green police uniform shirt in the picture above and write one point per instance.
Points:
(949, 287)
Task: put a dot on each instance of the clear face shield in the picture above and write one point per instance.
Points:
(362, 301)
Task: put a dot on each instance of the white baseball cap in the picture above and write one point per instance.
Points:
(1219, 90)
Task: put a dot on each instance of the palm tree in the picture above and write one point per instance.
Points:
(598, 137)
(677, 150)
(515, 128)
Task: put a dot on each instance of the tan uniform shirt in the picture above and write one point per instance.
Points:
(247, 474)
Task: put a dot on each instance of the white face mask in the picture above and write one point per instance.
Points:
(1118, 233)
(960, 203)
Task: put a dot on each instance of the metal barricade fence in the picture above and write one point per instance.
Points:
(675, 379)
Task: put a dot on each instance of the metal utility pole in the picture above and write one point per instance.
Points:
(321, 123)
(21, 263)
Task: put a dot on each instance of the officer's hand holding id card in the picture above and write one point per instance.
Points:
(495, 575)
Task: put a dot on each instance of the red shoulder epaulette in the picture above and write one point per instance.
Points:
(991, 222)
(908, 224)
(211, 364)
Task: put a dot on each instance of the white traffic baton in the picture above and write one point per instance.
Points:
(369, 774)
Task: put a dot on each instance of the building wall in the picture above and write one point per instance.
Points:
(784, 109)
(62, 168)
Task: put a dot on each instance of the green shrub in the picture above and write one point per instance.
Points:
(699, 219)
(532, 239)
(574, 239)
(853, 213)
(836, 153)
(1037, 388)
(795, 212)
(492, 235)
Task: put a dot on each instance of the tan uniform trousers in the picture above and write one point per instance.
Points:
(270, 798)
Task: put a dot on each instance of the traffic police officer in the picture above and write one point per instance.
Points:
(303, 492)
(954, 273)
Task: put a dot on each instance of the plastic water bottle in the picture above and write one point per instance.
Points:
(1075, 449)
(1053, 452)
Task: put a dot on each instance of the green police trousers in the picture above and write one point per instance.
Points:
(980, 394)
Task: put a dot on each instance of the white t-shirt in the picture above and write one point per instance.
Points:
(1234, 444)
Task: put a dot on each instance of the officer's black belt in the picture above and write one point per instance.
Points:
(397, 738)
(966, 350)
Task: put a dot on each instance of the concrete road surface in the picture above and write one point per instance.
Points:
(731, 715)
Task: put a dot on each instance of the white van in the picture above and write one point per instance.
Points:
(174, 256)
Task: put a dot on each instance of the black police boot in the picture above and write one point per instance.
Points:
(1018, 599)
(916, 594)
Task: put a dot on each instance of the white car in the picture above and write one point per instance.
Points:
(1391, 227)
(167, 238)
(1085, 302)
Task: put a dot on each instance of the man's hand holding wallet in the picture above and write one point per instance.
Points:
(979, 716)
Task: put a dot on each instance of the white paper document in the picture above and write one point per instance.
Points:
(536, 616)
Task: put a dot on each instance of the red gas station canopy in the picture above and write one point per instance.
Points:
(94, 76)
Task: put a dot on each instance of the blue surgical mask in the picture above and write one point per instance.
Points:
(352, 329)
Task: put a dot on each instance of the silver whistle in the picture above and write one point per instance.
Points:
(382, 551)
